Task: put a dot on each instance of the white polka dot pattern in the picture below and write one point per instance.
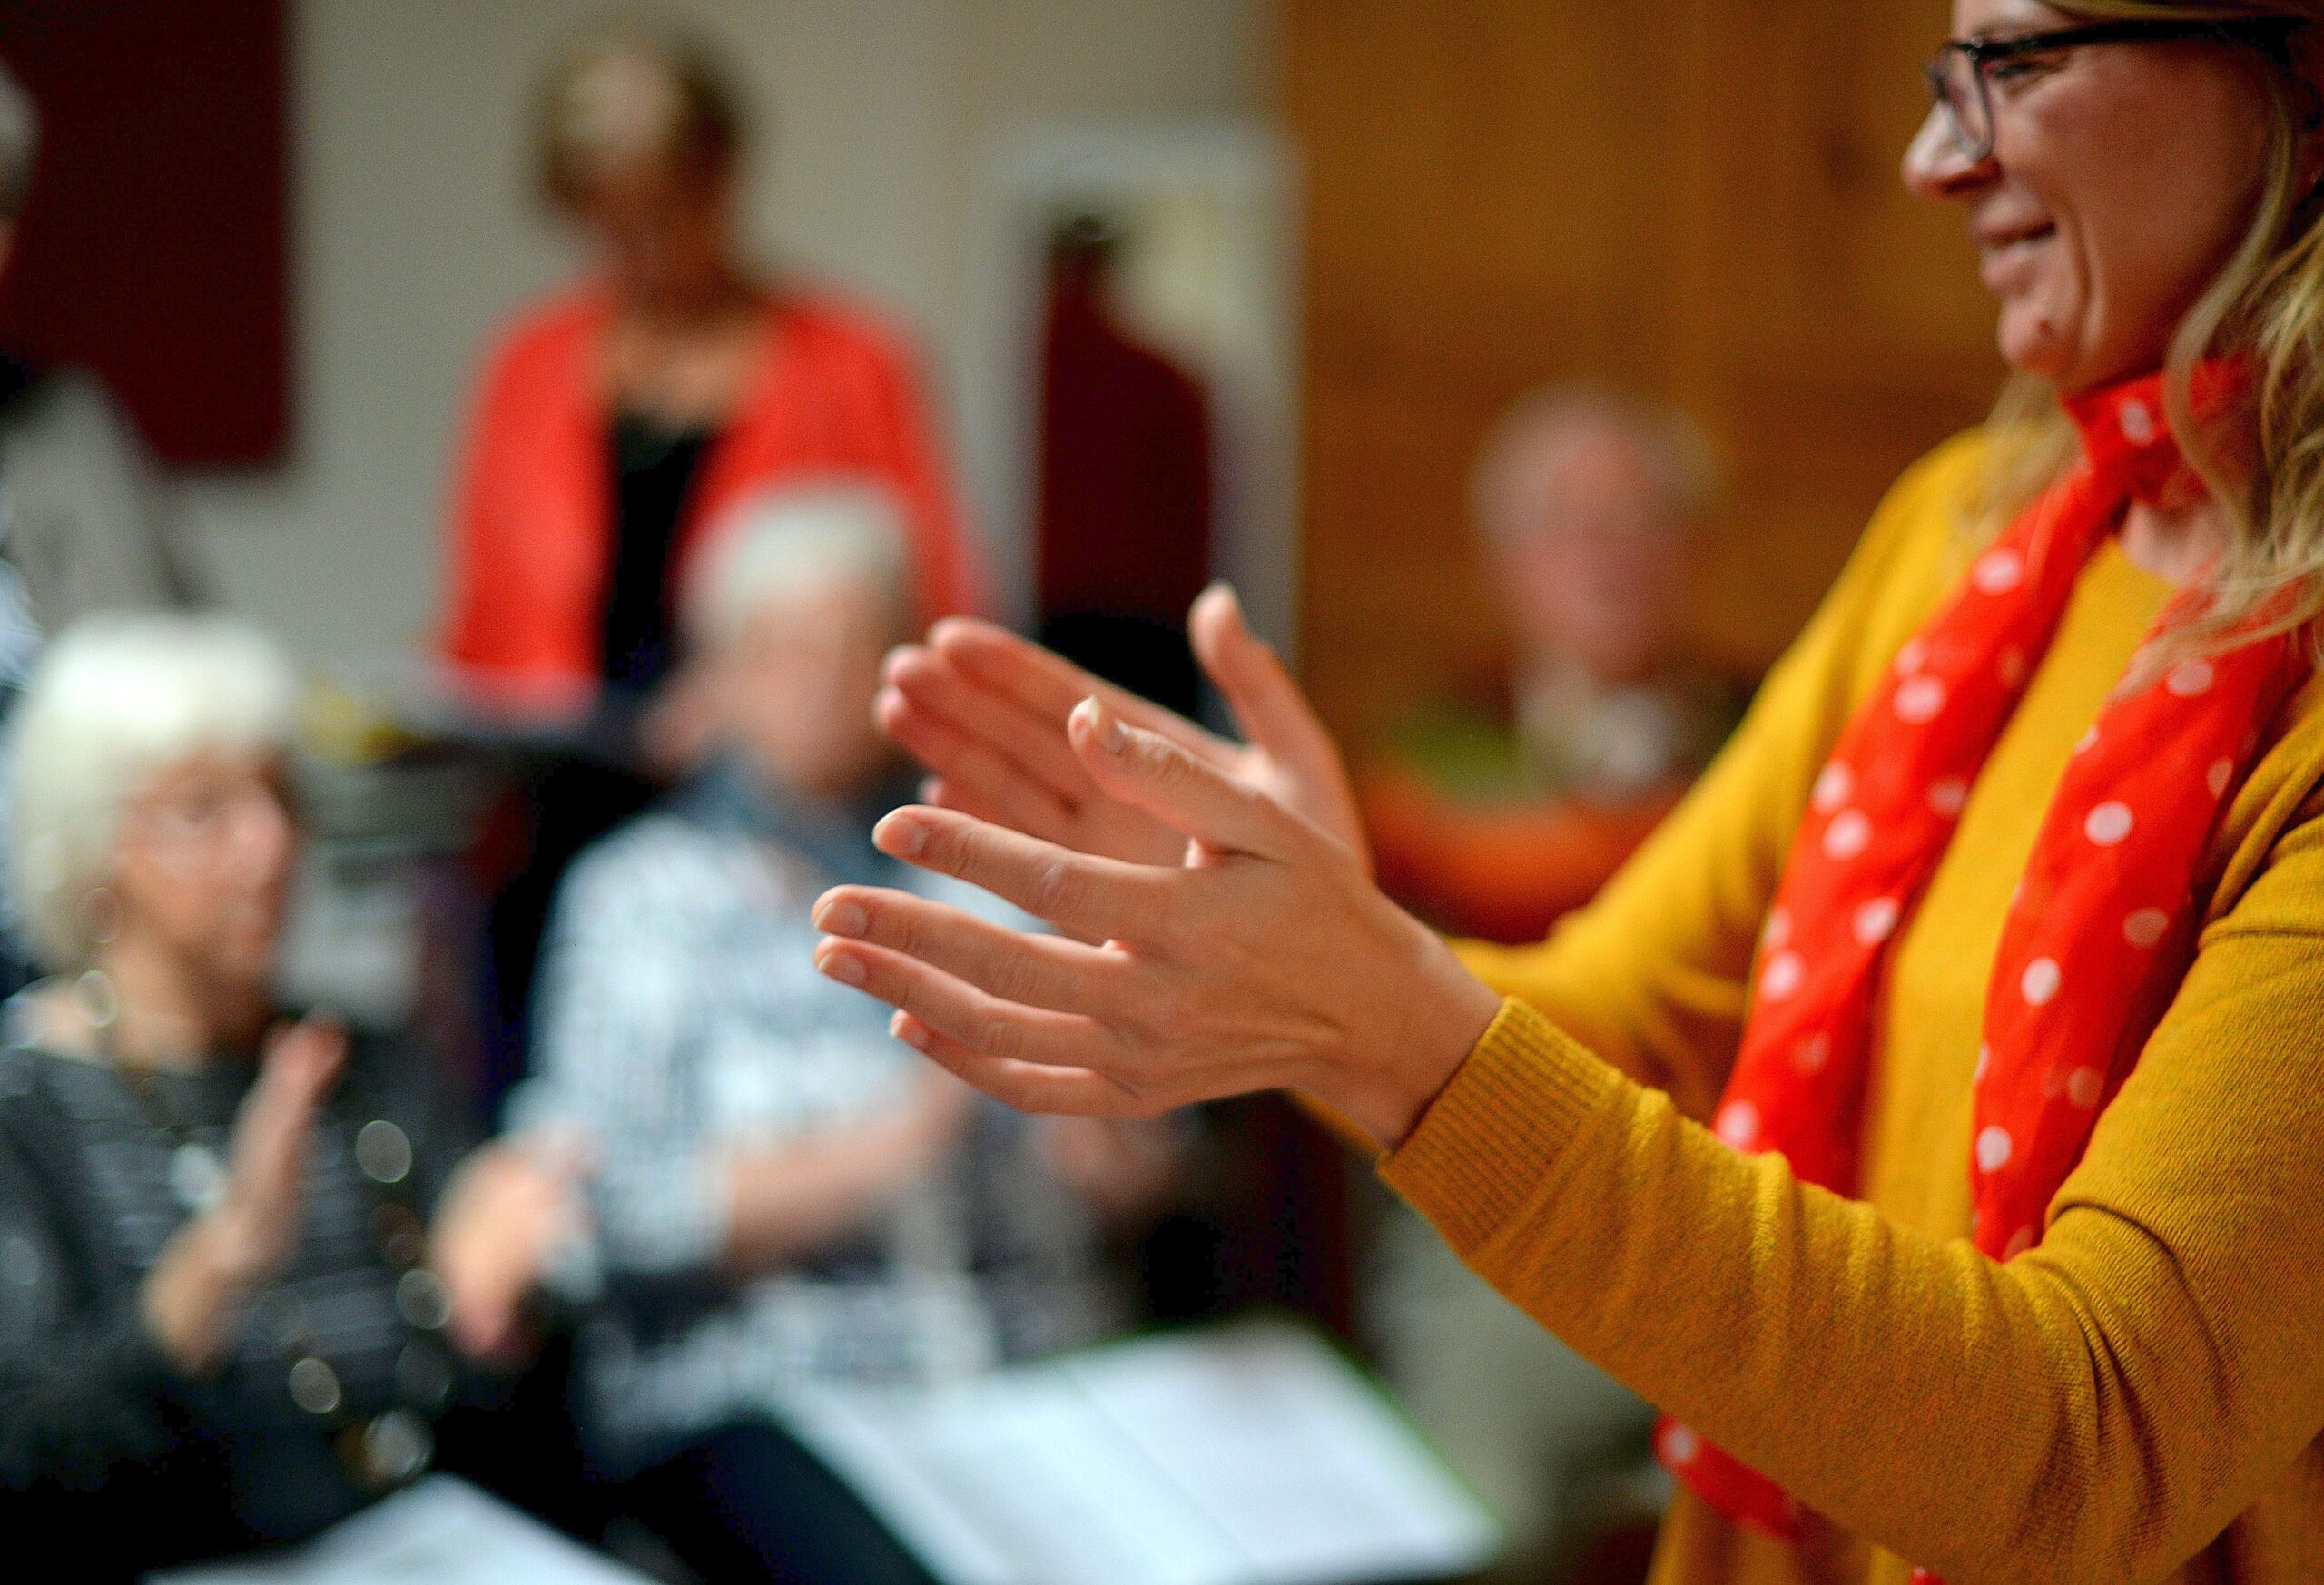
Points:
(1919, 699)
(1849, 834)
(1875, 919)
(1833, 785)
(2107, 823)
(1998, 572)
(2097, 926)
(2192, 679)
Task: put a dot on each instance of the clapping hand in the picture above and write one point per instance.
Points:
(1266, 959)
(508, 1210)
(986, 712)
(250, 1235)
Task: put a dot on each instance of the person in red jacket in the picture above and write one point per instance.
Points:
(615, 420)
(614, 425)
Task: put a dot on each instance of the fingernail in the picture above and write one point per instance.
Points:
(839, 966)
(909, 1032)
(900, 836)
(841, 919)
(1105, 727)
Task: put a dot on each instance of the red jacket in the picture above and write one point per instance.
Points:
(532, 525)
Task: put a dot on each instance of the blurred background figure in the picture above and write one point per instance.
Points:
(614, 423)
(252, 1276)
(1497, 821)
(1494, 815)
(1125, 466)
(788, 1202)
(616, 420)
(85, 524)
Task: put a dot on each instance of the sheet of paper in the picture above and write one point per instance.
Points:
(1250, 1454)
(441, 1532)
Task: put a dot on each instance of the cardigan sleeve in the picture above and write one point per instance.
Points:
(1652, 974)
(2120, 1392)
(84, 1388)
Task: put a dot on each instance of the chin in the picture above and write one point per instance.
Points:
(2033, 348)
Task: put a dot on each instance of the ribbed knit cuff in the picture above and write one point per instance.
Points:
(1488, 1139)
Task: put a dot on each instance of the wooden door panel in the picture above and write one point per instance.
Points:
(1696, 200)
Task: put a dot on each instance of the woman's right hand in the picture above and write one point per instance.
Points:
(985, 711)
(247, 1238)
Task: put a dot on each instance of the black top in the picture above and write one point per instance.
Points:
(92, 1189)
(653, 471)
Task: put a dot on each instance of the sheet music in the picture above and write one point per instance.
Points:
(1250, 1454)
(441, 1532)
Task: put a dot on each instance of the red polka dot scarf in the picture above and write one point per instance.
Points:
(2101, 929)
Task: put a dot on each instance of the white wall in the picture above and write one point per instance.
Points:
(415, 236)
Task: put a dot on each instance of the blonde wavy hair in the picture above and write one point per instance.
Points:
(2266, 302)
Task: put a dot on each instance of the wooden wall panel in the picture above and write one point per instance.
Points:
(1696, 201)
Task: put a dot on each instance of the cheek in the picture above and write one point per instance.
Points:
(2150, 205)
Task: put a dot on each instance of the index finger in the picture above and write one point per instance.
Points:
(973, 712)
(1093, 898)
(1048, 685)
(303, 1060)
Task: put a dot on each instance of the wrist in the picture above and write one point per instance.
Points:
(200, 1280)
(1431, 1030)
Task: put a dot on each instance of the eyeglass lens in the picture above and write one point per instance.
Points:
(1961, 89)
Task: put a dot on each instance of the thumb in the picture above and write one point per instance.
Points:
(1151, 773)
(1257, 686)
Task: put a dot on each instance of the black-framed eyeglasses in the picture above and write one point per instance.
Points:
(1960, 79)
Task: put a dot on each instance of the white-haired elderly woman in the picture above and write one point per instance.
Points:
(786, 1201)
(247, 1277)
(1928, 1118)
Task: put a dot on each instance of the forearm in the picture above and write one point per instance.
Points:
(1863, 1365)
(790, 1200)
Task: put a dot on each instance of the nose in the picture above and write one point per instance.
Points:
(269, 835)
(1935, 167)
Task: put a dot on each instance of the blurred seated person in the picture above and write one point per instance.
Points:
(1494, 823)
(1582, 502)
(787, 1203)
(250, 1277)
(612, 423)
(618, 418)
(83, 520)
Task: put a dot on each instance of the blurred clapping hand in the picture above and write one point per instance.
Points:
(510, 1211)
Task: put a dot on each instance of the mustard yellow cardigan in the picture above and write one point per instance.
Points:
(2138, 1398)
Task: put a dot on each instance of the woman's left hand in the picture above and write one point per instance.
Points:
(510, 1208)
(1267, 961)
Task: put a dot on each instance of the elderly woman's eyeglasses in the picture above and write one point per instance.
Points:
(1961, 77)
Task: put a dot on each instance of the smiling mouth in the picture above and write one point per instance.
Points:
(1993, 243)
